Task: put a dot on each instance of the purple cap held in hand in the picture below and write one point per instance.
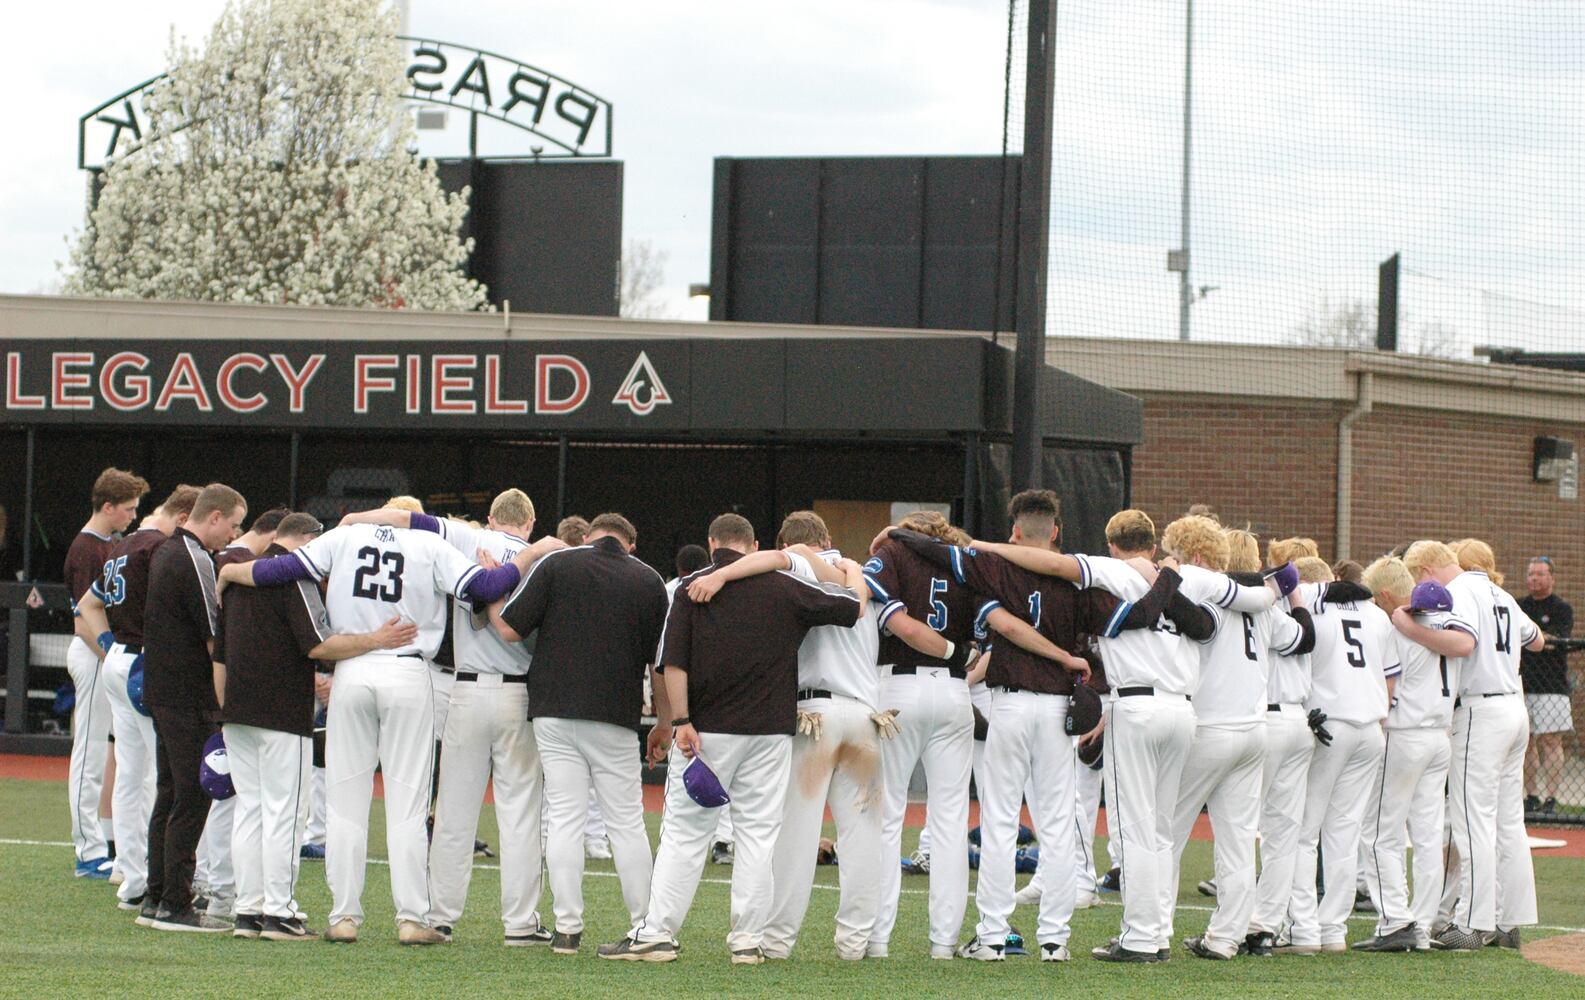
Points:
(702, 785)
(1429, 596)
(1286, 577)
(214, 771)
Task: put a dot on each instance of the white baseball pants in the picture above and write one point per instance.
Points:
(1409, 792)
(85, 776)
(270, 772)
(844, 769)
(935, 724)
(1147, 741)
(754, 771)
(380, 715)
(443, 681)
(488, 740)
(1285, 778)
(1334, 809)
(1496, 883)
(1223, 773)
(582, 758)
(1026, 740)
(132, 801)
(215, 869)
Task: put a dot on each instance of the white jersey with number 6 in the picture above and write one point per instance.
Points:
(374, 572)
(1501, 631)
(1354, 653)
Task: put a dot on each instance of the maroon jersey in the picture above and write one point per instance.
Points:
(234, 554)
(124, 585)
(1060, 611)
(902, 581)
(85, 562)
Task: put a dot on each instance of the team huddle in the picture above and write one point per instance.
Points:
(1348, 730)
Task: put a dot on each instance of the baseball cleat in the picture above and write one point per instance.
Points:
(980, 951)
(482, 850)
(1197, 947)
(95, 868)
(1289, 948)
(1115, 952)
(1456, 938)
(1029, 895)
(343, 931)
(1053, 952)
(1207, 888)
(1500, 938)
(721, 853)
(132, 905)
(191, 921)
(565, 944)
(117, 876)
(248, 925)
(529, 939)
(412, 932)
(312, 852)
(629, 950)
(286, 929)
(1112, 881)
(444, 930)
(597, 849)
(1258, 944)
(876, 949)
(147, 912)
(748, 956)
(943, 952)
(1402, 939)
(917, 863)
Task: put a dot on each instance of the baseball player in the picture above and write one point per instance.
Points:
(1224, 768)
(690, 559)
(267, 645)
(381, 712)
(180, 688)
(731, 675)
(1354, 654)
(112, 615)
(1412, 786)
(597, 612)
(1495, 883)
(836, 758)
(487, 740)
(115, 504)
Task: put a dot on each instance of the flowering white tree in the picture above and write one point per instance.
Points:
(276, 168)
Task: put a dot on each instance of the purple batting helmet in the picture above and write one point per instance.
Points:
(1429, 596)
(702, 785)
(214, 771)
(135, 686)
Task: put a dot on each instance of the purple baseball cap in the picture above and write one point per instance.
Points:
(214, 771)
(1429, 596)
(702, 785)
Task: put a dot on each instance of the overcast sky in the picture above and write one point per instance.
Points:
(1327, 136)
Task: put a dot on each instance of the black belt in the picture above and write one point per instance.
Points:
(1134, 692)
(1459, 702)
(913, 668)
(133, 649)
(464, 675)
(1273, 707)
(1015, 689)
(808, 693)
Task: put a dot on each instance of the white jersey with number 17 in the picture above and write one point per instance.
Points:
(1501, 632)
(373, 573)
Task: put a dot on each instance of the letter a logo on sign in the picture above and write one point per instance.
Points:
(642, 390)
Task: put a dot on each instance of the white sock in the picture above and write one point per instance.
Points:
(107, 828)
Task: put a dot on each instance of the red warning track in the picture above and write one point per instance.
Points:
(54, 769)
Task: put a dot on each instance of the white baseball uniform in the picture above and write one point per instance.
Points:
(1226, 762)
(1495, 884)
(488, 740)
(1284, 779)
(1412, 787)
(1354, 653)
(381, 713)
(1150, 724)
(839, 680)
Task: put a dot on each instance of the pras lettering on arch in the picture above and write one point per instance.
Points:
(572, 121)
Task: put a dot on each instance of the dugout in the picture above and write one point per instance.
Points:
(671, 423)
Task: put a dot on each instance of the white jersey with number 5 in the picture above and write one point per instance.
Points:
(1501, 631)
(373, 573)
(1354, 653)
(1157, 656)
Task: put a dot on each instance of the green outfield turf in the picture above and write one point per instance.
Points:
(63, 937)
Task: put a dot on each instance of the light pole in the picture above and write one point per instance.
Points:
(1179, 260)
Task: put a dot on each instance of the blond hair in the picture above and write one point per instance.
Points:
(1427, 554)
(1131, 531)
(1313, 569)
(1472, 553)
(1390, 576)
(934, 524)
(512, 508)
(1286, 550)
(1243, 551)
(1196, 535)
(407, 503)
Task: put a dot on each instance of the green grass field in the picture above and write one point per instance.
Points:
(65, 938)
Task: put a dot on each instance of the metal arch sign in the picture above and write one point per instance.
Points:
(573, 121)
